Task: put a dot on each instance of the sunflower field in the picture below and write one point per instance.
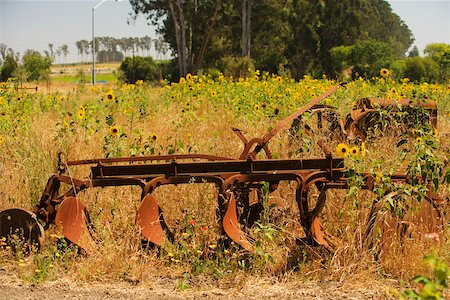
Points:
(195, 115)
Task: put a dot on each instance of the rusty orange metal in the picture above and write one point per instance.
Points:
(148, 219)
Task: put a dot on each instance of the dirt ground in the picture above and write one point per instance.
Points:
(163, 288)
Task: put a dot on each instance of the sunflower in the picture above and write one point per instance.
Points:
(384, 72)
(418, 140)
(256, 107)
(354, 151)
(2, 140)
(276, 111)
(213, 93)
(110, 96)
(378, 177)
(81, 113)
(279, 79)
(342, 150)
(188, 77)
(114, 130)
(154, 137)
(363, 149)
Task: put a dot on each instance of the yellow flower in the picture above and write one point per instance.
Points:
(384, 72)
(114, 130)
(342, 150)
(139, 82)
(378, 177)
(81, 113)
(2, 100)
(182, 80)
(188, 77)
(2, 140)
(110, 96)
(354, 151)
(213, 93)
(363, 149)
(418, 140)
(435, 134)
(154, 137)
(256, 107)
(279, 79)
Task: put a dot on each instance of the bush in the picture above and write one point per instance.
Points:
(8, 69)
(36, 66)
(139, 68)
(370, 56)
(236, 66)
(422, 69)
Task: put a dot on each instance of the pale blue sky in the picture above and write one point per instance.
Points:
(33, 24)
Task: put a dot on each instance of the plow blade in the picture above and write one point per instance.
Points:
(231, 226)
(20, 228)
(149, 222)
(71, 219)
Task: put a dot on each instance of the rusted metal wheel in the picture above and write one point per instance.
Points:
(388, 227)
(20, 230)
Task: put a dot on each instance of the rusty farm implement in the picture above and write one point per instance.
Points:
(238, 181)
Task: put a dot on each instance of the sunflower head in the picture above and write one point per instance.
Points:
(384, 72)
(418, 140)
(256, 107)
(354, 151)
(114, 130)
(342, 150)
(154, 137)
(213, 93)
(81, 113)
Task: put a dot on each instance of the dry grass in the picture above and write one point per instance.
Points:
(28, 158)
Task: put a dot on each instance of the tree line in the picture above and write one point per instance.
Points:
(113, 49)
(315, 37)
(34, 66)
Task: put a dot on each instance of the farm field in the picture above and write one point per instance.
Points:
(195, 116)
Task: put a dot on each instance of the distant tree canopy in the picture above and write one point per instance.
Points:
(295, 34)
(37, 67)
(110, 49)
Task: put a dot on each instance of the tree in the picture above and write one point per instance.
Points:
(36, 66)
(139, 68)
(8, 68)
(414, 52)
(187, 26)
(52, 54)
(246, 17)
(319, 26)
(65, 51)
(440, 53)
(421, 69)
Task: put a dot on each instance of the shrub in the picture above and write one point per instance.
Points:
(422, 69)
(8, 69)
(139, 68)
(36, 66)
(236, 66)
